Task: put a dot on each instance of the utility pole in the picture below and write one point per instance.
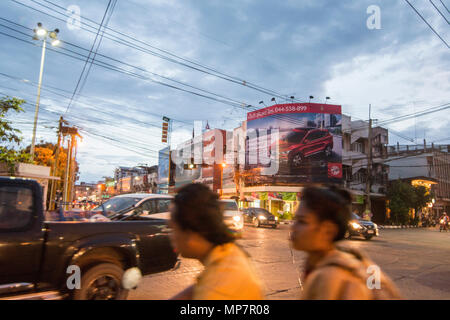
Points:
(369, 165)
(68, 181)
(67, 177)
(55, 168)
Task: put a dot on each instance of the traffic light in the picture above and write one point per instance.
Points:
(165, 129)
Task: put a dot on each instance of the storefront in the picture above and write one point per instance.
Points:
(279, 200)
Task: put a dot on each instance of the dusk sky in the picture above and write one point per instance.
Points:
(292, 47)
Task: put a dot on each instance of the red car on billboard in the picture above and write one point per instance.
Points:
(301, 143)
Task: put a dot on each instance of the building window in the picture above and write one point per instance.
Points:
(358, 147)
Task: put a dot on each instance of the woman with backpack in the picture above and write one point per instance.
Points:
(333, 273)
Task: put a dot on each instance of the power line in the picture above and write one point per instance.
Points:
(444, 6)
(87, 59)
(98, 45)
(134, 74)
(432, 29)
(131, 45)
(45, 87)
(222, 99)
(109, 29)
(439, 11)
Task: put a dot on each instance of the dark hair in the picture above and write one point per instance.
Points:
(197, 208)
(332, 204)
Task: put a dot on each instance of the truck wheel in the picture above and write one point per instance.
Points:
(256, 223)
(101, 282)
(368, 237)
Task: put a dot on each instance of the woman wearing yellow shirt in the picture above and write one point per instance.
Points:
(198, 232)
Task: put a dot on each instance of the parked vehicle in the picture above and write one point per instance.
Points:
(137, 205)
(35, 255)
(302, 143)
(360, 227)
(260, 217)
(233, 217)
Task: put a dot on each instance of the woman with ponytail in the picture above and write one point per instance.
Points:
(332, 272)
(198, 232)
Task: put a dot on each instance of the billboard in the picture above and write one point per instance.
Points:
(303, 140)
(163, 166)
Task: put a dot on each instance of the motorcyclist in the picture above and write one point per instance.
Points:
(443, 220)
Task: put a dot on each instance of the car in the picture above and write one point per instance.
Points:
(38, 257)
(137, 205)
(233, 217)
(359, 227)
(260, 217)
(301, 143)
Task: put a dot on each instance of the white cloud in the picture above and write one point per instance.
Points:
(391, 77)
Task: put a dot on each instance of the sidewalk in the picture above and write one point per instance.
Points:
(379, 226)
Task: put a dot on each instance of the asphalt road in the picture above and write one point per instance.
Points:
(418, 260)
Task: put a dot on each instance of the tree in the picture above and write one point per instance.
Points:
(422, 198)
(9, 136)
(401, 199)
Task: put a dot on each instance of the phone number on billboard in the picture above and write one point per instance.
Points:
(289, 109)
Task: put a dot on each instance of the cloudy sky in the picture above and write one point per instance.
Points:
(292, 47)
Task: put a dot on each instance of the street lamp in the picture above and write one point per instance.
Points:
(40, 33)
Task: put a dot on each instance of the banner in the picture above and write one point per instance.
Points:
(303, 141)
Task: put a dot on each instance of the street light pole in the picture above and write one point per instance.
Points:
(33, 139)
(41, 34)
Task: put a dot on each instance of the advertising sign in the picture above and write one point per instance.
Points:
(163, 166)
(303, 139)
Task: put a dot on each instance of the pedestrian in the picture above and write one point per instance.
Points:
(332, 272)
(199, 232)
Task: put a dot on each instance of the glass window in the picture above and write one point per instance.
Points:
(314, 135)
(16, 207)
(149, 206)
(230, 205)
(117, 204)
(295, 136)
(264, 212)
(163, 205)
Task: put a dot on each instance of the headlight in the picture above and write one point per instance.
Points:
(355, 225)
(262, 218)
(276, 218)
(236, 218)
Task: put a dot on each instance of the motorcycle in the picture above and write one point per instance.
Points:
(443, 225)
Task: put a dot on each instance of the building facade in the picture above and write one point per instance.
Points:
(355, 158)
(428, 165)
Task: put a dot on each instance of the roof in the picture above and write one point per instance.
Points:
(144, 195)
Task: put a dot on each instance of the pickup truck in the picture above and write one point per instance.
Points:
(37, 257)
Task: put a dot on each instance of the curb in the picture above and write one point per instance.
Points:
(379, 226)
(398, 227)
